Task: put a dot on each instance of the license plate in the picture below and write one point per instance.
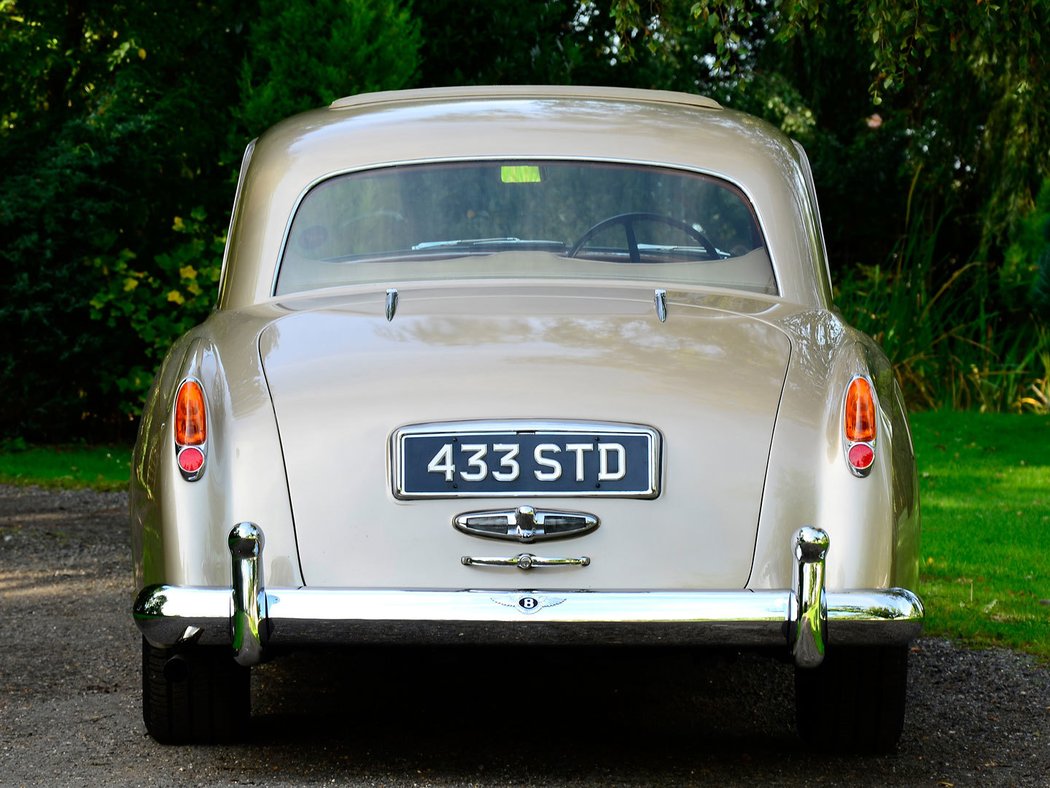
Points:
(494, 459)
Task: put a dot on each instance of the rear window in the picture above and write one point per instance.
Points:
(524, 219)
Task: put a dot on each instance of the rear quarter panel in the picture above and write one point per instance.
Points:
(180, 528)
(872, 522)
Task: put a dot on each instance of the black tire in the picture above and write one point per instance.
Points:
(194, 695)
(853, 702)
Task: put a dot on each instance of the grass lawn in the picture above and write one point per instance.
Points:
(985, 487)
(99, 467)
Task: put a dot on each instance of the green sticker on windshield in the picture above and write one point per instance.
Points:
(521, 173)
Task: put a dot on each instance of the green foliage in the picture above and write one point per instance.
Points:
(936, 319)
(977, 84)
(158, 300)
(115, 118)
(49, 206)
(1026, 270)
(294, 63)
(536, 42)
(985, 527)
(99, 149)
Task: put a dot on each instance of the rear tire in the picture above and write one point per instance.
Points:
(855, 700)
(194, 694)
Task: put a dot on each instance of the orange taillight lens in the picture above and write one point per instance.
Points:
(860, 411)
(191, 427)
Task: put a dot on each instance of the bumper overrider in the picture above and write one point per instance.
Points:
(250, 617)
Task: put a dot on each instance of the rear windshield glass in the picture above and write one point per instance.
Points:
(515, 219)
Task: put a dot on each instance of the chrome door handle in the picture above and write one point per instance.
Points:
(524, 561)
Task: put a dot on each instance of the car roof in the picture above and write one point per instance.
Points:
(525, 91)
(524, 122)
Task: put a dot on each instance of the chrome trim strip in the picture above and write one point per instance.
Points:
(809, 627)
(555, 427)
(249, 598)
(814, 214)
(241, 174)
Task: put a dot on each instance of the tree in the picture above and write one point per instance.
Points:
(97, 150)
(305, 55)
(967, 82)
(123, 125)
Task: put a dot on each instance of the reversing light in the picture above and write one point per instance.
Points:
(859, 426)
(191, 429)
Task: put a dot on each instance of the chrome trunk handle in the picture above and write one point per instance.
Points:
(524, 561)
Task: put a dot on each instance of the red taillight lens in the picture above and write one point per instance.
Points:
(191, 427)
(191, 460)
(861, 456)
(860, 412)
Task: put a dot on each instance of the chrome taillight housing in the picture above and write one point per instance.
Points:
(190, 425)
(859, 426)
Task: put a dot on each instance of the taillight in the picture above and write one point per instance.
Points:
(191, 429)
(860, 411)
(859, 426)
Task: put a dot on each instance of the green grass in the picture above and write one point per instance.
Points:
(98, 467)
(985, 487)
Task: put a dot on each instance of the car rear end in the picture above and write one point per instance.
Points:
(559, 397)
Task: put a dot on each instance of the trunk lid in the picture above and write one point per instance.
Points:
(344, 380)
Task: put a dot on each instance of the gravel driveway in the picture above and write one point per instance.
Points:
(69, 699)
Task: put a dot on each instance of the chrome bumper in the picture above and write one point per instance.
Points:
(251, 617)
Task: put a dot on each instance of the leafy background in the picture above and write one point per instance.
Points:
(122, 125)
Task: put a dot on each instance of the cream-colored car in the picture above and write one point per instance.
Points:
(532, 365)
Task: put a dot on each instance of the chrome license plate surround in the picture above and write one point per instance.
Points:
(595, 449)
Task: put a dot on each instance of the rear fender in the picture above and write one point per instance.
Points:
(179, 527)
(872, 521)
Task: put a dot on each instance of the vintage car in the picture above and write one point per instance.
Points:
(534, 365)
